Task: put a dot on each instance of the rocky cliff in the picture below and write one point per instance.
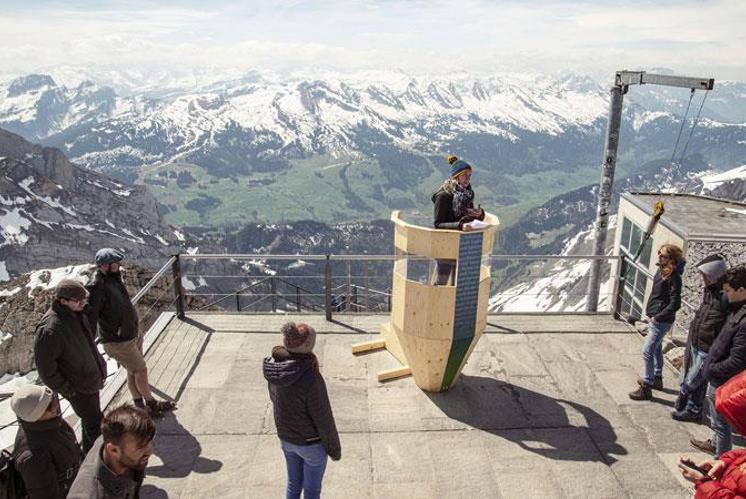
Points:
(53, 212)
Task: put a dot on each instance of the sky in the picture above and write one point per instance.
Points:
(696, 38)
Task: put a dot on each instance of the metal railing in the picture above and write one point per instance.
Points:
(344, 284)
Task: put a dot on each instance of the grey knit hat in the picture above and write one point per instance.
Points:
(299, 338)
(70, 289)
(713, 266)
(31, 401)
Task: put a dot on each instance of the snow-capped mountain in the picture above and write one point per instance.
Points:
(386, 133)
(52, 211)
(290, 117)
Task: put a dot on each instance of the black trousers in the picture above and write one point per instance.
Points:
(88, 409)
(444, 272)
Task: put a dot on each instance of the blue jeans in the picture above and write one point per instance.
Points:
(695, 384)
(652, 351)
(306, 465)
(723, 438)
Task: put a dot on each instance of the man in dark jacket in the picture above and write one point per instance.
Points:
(67, 359)
(302, 412)
(111, 312)
(727, 358)
(115, 466)
(704, 327)
(45, 452)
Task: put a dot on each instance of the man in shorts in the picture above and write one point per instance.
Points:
(112, 313)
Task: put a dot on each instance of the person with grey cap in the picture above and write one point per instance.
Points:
(302, 412)
(67, 359)
(113, 316)
(45, 452)
(707, 322)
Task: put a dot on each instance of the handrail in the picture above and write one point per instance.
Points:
(153, 280)
(363, 257)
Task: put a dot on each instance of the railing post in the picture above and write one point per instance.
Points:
(328, 288)
(238, 302)
(297, 298)
(273, 292)
(348, 298)
(178, 290)
(367, 285)
(354, 298)
(389, 300)
(619, 286)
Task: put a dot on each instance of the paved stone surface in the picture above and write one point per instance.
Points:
(540, 411)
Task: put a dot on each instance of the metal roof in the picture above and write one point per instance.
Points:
(695, 217)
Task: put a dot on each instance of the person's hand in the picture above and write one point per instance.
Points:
(688, 473)
(653, 321)
(716, 468)
(467, 228)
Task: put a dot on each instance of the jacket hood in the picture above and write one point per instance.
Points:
(285, 372)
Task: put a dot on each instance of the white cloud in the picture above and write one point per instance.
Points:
(703, 38)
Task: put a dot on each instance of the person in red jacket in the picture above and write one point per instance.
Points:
(725, 478)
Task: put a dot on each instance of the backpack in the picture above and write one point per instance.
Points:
(11, 482)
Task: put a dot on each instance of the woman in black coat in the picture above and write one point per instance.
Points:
(454, 209)
(302, 412)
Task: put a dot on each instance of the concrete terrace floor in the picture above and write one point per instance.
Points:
(541, 410)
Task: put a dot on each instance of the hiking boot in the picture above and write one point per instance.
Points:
(157, 408)
(681, 402)
(643, 392)
(688, 416)
(657, 382)
(705, 446)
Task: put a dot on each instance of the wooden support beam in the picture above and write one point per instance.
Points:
(397, 372)
(367, 346)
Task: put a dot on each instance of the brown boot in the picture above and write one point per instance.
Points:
(643, 392)
(705, 446)
(157, 408)
(657, 382)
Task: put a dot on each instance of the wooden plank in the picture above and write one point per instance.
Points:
(367, 346)
(397, 372)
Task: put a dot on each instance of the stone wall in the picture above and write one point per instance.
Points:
(22, 306)
(734, 253)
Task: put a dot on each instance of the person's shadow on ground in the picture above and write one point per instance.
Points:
(179, 450)
(532, 420)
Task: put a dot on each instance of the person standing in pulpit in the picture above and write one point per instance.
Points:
(454, 209)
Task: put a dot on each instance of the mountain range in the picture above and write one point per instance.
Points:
(262, 147)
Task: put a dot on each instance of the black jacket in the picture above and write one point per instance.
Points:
(96, 481)
(727, 355)
(443, 211)
(47, 457)
(65, 354)
(709, 318)
(665, 298)
(110, 309)
(303, 414)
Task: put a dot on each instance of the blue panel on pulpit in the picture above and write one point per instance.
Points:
(467, 297)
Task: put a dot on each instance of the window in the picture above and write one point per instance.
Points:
(633, 294)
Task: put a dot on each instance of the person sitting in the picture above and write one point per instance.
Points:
(45, 452)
